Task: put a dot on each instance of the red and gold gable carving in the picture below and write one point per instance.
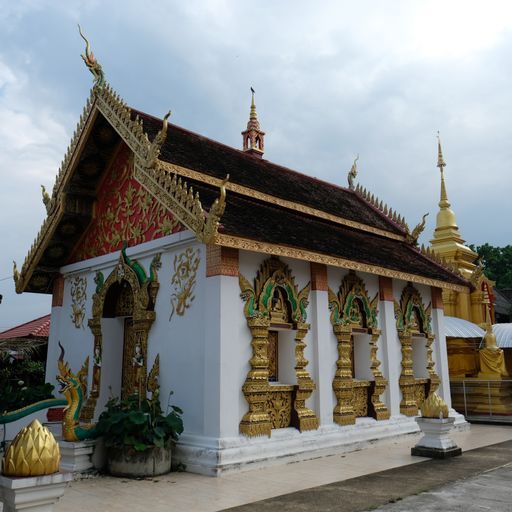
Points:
(124, 211)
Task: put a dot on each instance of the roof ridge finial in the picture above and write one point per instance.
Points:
(253, 114)
(91, 62)
(253, 136)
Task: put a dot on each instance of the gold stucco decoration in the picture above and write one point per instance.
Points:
(184, 280)
(353, 311)
(273, 281)
(413, 319)
(434, 407)
(78, 299)
(144, 292)
(33, 452)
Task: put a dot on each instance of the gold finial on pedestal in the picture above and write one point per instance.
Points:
(34, 452)
(434, 407)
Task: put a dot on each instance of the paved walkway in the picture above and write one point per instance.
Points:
(195, 493)
(488, 491)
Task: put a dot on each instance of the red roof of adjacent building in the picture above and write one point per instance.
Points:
(38, 328)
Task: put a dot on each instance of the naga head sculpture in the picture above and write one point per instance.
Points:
(72, 386)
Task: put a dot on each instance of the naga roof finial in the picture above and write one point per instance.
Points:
(92, 64)
(352, 173)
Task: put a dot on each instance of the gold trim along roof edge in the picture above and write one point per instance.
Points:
(300, 254)
(291, 205)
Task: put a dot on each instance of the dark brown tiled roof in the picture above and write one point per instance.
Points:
(212, 158)
(253, 219)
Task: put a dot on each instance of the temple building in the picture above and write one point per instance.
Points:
(292, 317)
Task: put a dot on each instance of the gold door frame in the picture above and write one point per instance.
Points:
(256, 388)
(407, 325)
(144, 289)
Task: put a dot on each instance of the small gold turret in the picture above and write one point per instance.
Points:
(34, 452)
(434, 407)
(253, 136)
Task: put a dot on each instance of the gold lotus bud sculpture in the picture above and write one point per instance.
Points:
(33, 452)
(434, 407)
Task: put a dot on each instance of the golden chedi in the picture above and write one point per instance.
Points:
(33, 452)
(434, 407)
(492, 358)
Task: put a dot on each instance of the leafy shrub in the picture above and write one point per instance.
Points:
(139, 424)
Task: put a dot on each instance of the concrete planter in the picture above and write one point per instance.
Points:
(131, 463)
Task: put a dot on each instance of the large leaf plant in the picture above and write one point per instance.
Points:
(139, 424)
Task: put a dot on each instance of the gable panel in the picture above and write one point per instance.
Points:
(124, 211)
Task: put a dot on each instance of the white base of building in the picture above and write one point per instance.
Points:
(214, 457)
(33, 494)
(76, 457)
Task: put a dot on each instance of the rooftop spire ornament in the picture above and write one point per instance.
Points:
(352, 173)
(93, 65)
(253, 136)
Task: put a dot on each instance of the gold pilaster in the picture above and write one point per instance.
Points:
(343, 380)
(408, 405)
(256, 421)
(377, 408)
(305, 417)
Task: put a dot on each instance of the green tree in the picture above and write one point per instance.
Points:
(497, 262)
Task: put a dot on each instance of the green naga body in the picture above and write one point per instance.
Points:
(18, 414)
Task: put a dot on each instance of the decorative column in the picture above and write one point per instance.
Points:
(342, 383)
(377, 409)
(141, 328)
(434, 378)
(441, 356)
(408, 405)
(324, 350)
(256, 421)
(90, 405)
(304, 418)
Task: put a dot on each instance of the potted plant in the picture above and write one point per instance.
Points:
(138, 436)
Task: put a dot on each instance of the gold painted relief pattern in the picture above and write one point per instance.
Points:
(184, 281)
(360, 399)
(126, 212)
(78, 298)
(279, 406)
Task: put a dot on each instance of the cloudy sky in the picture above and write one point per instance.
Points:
(333, 79)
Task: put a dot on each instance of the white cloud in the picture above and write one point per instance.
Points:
(333, 79)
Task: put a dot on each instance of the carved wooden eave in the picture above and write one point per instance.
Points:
(70, 208)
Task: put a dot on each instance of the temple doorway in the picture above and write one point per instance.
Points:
(123, 312)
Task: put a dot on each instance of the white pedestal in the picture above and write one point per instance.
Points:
(76, 457)
(34, 493)
(436, 441)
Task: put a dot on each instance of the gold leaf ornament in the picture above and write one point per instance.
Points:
(184, 281)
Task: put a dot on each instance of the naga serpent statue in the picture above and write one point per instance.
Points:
(74, 388)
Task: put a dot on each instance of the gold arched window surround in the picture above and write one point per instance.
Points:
(353, 312)
(127, 291)
(274, 297)
(413, 319)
